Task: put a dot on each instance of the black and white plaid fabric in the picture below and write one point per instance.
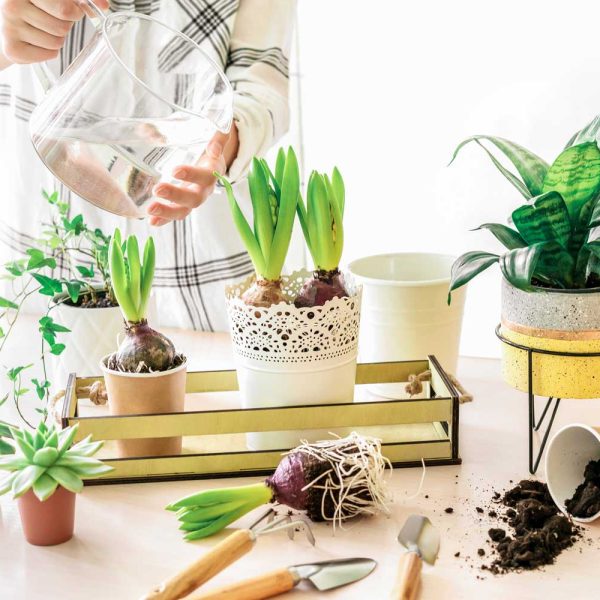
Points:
(197, 257)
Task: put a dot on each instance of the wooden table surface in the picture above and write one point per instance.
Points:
(125, 542)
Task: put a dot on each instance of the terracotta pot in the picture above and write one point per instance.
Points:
(146, 394)
(50, 522)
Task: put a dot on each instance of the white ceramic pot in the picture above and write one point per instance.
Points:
(569, 451)
(405, 313)
(288, 356)
(94, 333)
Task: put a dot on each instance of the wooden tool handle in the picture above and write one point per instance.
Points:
(408, 578)
(264, 586)
(193, 576)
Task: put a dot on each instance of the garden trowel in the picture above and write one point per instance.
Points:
(325, 575)
(421, 541)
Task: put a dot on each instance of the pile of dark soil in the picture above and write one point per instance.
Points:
(539, 531)
(586, 500)
(98, 300)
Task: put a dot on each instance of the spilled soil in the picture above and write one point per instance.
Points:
(535, 532)
(586, 500)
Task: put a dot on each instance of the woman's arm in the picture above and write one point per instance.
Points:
(257, 68)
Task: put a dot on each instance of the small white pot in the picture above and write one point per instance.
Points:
(405, 313)
(288, 356)
(93, 335)
(569, 452)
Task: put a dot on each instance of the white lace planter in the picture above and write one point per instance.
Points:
(288, 356)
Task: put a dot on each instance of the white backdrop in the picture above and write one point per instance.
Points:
(388, 89)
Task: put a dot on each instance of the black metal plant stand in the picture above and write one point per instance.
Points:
(552, 403)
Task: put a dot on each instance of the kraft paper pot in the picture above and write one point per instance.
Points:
(288, 356)
(405, 313)
(146, 394)
(50, 522)
(569, 451)
(556, 320)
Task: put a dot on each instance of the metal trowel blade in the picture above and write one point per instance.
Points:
(420, 536)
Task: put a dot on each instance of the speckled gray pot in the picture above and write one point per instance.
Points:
(564, 321)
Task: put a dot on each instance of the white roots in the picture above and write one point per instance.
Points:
(355, 484)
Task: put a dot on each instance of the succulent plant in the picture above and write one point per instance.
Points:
(48, 459)
(554, 242)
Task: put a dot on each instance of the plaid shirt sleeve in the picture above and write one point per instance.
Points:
(258, 68)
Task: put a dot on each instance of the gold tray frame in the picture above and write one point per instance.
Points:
(441, 410)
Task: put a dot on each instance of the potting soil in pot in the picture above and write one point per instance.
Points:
(537, 532)
(585, 502)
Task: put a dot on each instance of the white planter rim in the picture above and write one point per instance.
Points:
(542, 290)
(355, 266)
(56, 301)
(561, 505)
(155, 375)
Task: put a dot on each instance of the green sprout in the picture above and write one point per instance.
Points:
(131, 278)
(322, 219)
(205, 513)
(274, 199)
(48, 459)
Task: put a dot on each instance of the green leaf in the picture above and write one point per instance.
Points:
(83, 466)
(575, 175)
(38, 260)
(45, 457)
(339, 189)
(65, 438)
(5, 303)
(530, 167)
(6, 448)
(13, 373)
(545, 220)
(73, 289)
(44, 487)
(467, 266)
(16, 267)
(49, 324)
(290, 190)
(261, 207)
(75, 225)
(84, 271)
(518, 266)
(118, 275)
(67, 478)
(244, 230)
(134, 274)
(51, 198)
(147, 275)
(6, 482)
(13, 463)
(508, 237)
(57, 349)
(5, 430)
(25, 479)
(49, 285)
(85, 447)
(588, 134)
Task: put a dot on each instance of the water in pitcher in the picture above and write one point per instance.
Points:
(115, 162)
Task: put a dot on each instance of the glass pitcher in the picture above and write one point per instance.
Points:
(140, 99)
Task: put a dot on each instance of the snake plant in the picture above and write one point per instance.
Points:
(552, 242)
(274, 198)
(47, 459)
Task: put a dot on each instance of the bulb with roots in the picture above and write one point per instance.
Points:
(143, 349)
(264, 293)
(321, 287)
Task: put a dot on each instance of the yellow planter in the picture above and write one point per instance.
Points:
(557, 321)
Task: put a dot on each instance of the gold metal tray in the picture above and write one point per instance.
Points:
(214, 426)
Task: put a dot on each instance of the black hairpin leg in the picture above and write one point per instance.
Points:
(533, 426)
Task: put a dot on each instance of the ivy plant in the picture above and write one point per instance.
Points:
(83, 277)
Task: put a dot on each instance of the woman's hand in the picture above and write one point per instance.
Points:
(177, 201)
(35, 30)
